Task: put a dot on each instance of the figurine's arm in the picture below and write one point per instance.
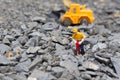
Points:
(82, 39)
(74, 40)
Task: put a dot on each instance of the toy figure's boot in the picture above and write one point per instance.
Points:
(78, 52)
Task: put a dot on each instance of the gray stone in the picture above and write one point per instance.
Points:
(70, 66)
(36, 34)
(5, 61)
(86, 76)
(104, 54)
(24, 74)
(62, 79)
(4, 69)
(99, 46)
(92, 73)
(47, 57)
(23, 40)
(57, 33)
(114, 36)
(117, 54)
(54, 39)
(109, 72)
(23, 27)
(41, 76)
(32, 41)
(4, 48)
(59, 49)
(46, 38)
(90, 65)
(101, 59)
(23, 66)
(31, 25)
(7, 78)
(101, 38)
(57, 71)
(103, 30)
(97, 78)
(24, 57)
(6, 41)
(45, 64)
(106, 77)
(55, 63)
(18, 48)
(17, 77)
(116, 64)
(81, 68)
(64, 41)
(41, 51)
(67, 75)
(9, 37)
(35, 62)
(49, 68)
(115, 44)
(33, 50)
(50, 26)
(15, 44)
(93, 40)
(69, 57)
(66, 33)
(1, 76)
(16, 32)
(39, 19)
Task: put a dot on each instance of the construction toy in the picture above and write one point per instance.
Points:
(78, 38)
(77, 14)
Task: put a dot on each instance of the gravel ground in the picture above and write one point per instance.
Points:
(36, 47)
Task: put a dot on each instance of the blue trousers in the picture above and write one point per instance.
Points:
(82, 48)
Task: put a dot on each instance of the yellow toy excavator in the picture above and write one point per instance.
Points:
(77, 14)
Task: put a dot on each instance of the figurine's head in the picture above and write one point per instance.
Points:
(75, 30)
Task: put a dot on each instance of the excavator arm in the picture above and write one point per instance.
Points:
(67, 3)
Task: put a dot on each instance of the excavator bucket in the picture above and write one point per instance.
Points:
(55, 14)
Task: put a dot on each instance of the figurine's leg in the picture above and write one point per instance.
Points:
(82, 49)
(77, 52)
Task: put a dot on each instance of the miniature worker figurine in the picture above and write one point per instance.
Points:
(77, 44)
(78, 38)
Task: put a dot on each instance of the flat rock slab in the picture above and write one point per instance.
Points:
(99, 46)
(50, 26)
(116, 64)
(39, 19)
(90, 65)
(4, 48)
(5, 61)
(70, 66)
(23, 66)
(35, 62)
(40, 75)
(101, 59)
(32, 50)
(17, 77)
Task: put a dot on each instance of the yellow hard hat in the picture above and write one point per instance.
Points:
(75, 29)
